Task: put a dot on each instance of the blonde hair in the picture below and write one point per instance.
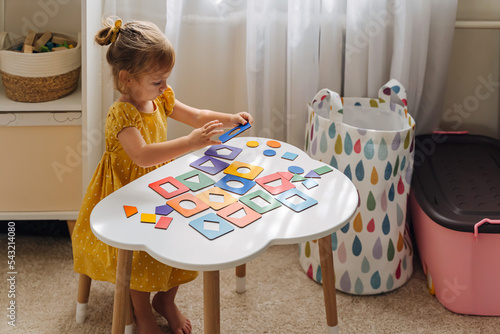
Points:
(138, 47)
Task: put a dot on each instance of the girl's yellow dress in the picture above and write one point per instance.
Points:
(95, 258)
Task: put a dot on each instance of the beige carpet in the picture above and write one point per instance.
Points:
(280, 298)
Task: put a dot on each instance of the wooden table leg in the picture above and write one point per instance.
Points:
(326, 259)
(122, 291)
(211, 300)
(241, 273)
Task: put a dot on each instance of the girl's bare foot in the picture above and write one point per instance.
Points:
(145, 321)
(163, 303)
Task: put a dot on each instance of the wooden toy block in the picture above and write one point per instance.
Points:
(234, 132)
(180, 188)
(286, 199)
(253, 172)
(274, 190)
(30, 38)
(199, 205)
(296, 169)
(218, 151)
(323, 170)
(215, 167)
(248, 200)
(202, 225)
(148, 218)
(203, 180)
(246, 184)
(163, 210)
(273, 144)
(42, 40)
(269, 153)
(227, 198)
(130, 210)
(27, 49)
(249, 217)
(163, 223)
(289, 156)
(59, 48)
(56, 39)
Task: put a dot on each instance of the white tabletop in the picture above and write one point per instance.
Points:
(183, 247)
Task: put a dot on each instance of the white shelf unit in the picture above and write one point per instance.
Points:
(33, 188)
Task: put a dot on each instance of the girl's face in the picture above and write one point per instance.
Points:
(148, 86)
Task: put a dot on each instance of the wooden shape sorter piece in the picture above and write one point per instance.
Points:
(289, 156)
(180, 188)
(227, 198)
(163, 223)
(313, 174)
(148, 218)
(249, 217)
(215, 167)
(323, 170)
(269, 153)
(234, 132)
(286, 175)
(273, 144)
(218, 151)
(306, 203)
(252, 143)
(199, 205)
(284, 185)
(130, 210)
(203, 180)
(246, 184)
(297, 178)
(211, 226)
(310, 183)
(248, 200)
(253, 172)
(163, 210)
(296, 169)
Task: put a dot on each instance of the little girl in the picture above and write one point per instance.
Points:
(141, 60)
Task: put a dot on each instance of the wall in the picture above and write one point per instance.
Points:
(472, 93)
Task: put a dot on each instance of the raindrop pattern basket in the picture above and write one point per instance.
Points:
(371, 141)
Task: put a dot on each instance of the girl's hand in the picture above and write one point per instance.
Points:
(242, 118)
(201, 137)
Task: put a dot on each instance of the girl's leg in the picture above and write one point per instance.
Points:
(144, 318)
(164, 304)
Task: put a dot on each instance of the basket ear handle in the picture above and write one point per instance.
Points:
(393, 92)
(5, 42)
(328, 104)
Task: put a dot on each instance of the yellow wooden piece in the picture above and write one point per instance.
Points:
(148, 218)
(252, 143)
(250, 175)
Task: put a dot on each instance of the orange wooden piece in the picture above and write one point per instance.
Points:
(130, 210)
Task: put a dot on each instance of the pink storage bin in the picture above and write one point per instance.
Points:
(455, 210)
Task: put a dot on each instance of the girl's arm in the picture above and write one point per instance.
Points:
(198, 117)
(146, 155)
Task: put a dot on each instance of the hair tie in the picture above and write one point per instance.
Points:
(115, 30)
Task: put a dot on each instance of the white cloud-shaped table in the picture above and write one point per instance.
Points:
(182, 246)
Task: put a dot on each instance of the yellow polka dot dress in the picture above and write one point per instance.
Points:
(95, 258)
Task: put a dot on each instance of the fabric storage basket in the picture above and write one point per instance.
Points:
(371, 141)
(455, 209)
(39, 77)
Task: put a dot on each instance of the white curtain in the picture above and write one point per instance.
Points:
(271, 57)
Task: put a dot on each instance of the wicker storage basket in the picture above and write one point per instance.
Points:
(40, 77)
